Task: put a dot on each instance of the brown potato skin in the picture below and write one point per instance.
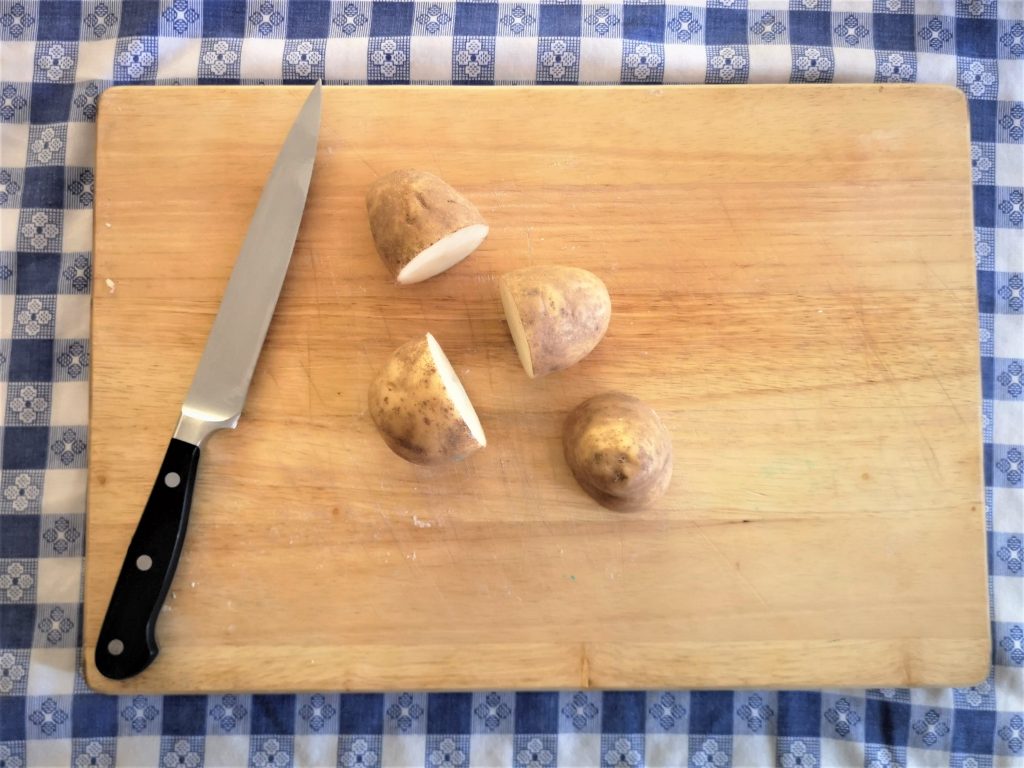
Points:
(565, 313)
(618, 450)
(410, 211)
(413, 413)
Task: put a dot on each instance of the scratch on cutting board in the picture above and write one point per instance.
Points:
(728, 562)
(316, 291)
(728, 215)
(448, 551)
(366, 162)
(933, 464)
(949, 399)
(270, 375)
(312, 388)
(387, 522)
(469, 319)
(387, 327)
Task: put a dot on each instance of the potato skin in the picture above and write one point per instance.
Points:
(565, 313)
(411, 210)
(413, 413)
(618, 450)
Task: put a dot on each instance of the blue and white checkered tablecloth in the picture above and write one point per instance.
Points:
(56, 58)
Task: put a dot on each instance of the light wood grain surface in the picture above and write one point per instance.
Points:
(793, 287)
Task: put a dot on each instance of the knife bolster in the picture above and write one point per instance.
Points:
(195, 427)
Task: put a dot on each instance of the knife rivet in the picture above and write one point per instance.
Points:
(172, 479)
(144, 562)
(115, 647)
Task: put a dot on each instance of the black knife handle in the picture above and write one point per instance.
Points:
(127, 641)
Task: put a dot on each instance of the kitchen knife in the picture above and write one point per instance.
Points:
(127, 639)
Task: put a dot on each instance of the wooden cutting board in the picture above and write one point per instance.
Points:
(793, 285)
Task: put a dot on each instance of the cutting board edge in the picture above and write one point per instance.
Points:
(956, 95)
(899, 668)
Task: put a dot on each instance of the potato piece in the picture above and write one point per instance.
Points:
(420, 407)
(618, 450)
(557, 315)
(420, 225)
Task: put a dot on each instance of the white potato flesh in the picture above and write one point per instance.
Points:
(515, 326)
(444, 254)
(455, 391)
(420, 407)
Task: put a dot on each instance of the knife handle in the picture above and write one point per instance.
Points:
(127, 640)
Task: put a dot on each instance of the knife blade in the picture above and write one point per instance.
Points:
(127, 641)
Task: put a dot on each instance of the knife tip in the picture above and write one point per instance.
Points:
(316, 96)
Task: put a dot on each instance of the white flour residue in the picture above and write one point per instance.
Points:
(420, 523)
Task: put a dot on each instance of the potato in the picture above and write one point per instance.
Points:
(557, 315)
(618, 450)
(420, 225)
(420, 407)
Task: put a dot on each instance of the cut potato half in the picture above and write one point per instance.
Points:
(556, 315)
(420, 407)
(420, 225)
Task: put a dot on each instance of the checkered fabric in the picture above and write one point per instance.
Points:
(56, 58)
